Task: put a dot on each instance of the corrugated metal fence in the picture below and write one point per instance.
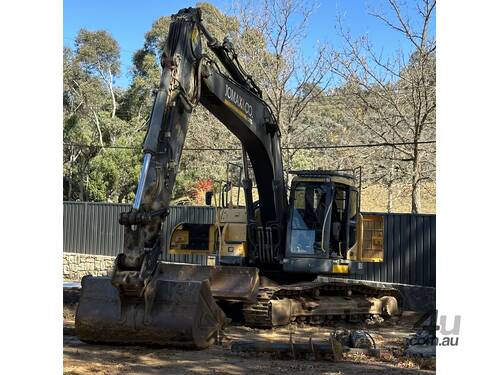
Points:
(92, 228)
(409, 240)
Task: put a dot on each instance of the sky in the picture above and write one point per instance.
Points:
(128, 20)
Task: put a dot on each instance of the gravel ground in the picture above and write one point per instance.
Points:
(82, 358)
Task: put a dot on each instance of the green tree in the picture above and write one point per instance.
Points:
(83, 96)
(99, 54)
(205, 131)
(91, 124)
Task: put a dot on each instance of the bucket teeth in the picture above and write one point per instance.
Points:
(176, 308)
(182, 314)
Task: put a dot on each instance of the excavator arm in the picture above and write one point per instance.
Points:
(152, 302)
(189, 78)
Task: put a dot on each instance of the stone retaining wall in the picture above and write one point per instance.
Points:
(75, 266)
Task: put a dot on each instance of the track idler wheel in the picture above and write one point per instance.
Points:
(390, 306)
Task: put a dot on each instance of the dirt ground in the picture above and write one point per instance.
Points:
(82, 358)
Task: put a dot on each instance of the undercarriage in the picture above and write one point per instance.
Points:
(183, 304)
(319, 302)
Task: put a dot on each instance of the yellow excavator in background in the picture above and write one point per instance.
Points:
(225, 240)
(275, 258)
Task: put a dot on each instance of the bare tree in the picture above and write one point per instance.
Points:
(270, 43)
(394, 98)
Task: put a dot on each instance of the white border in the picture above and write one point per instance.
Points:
(30, 187)
(468, 250)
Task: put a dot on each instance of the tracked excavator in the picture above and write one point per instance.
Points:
(278, 258)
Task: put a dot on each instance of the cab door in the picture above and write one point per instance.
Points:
(310, 220)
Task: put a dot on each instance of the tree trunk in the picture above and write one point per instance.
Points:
(390, 196)
(82, 190)
(415, 182)
(86, 187)
(288, 157)
(415, 197)
(390, 191)
(70, 185)
(110, 84)
(70, 175)
(83, 183)
(98, 126)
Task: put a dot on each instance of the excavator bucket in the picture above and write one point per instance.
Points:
(226, 282)
(178, 308)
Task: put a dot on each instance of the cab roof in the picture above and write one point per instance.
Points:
(345, 177)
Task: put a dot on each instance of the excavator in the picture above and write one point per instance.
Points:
(280, 258)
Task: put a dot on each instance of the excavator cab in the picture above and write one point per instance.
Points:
(325, 224)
